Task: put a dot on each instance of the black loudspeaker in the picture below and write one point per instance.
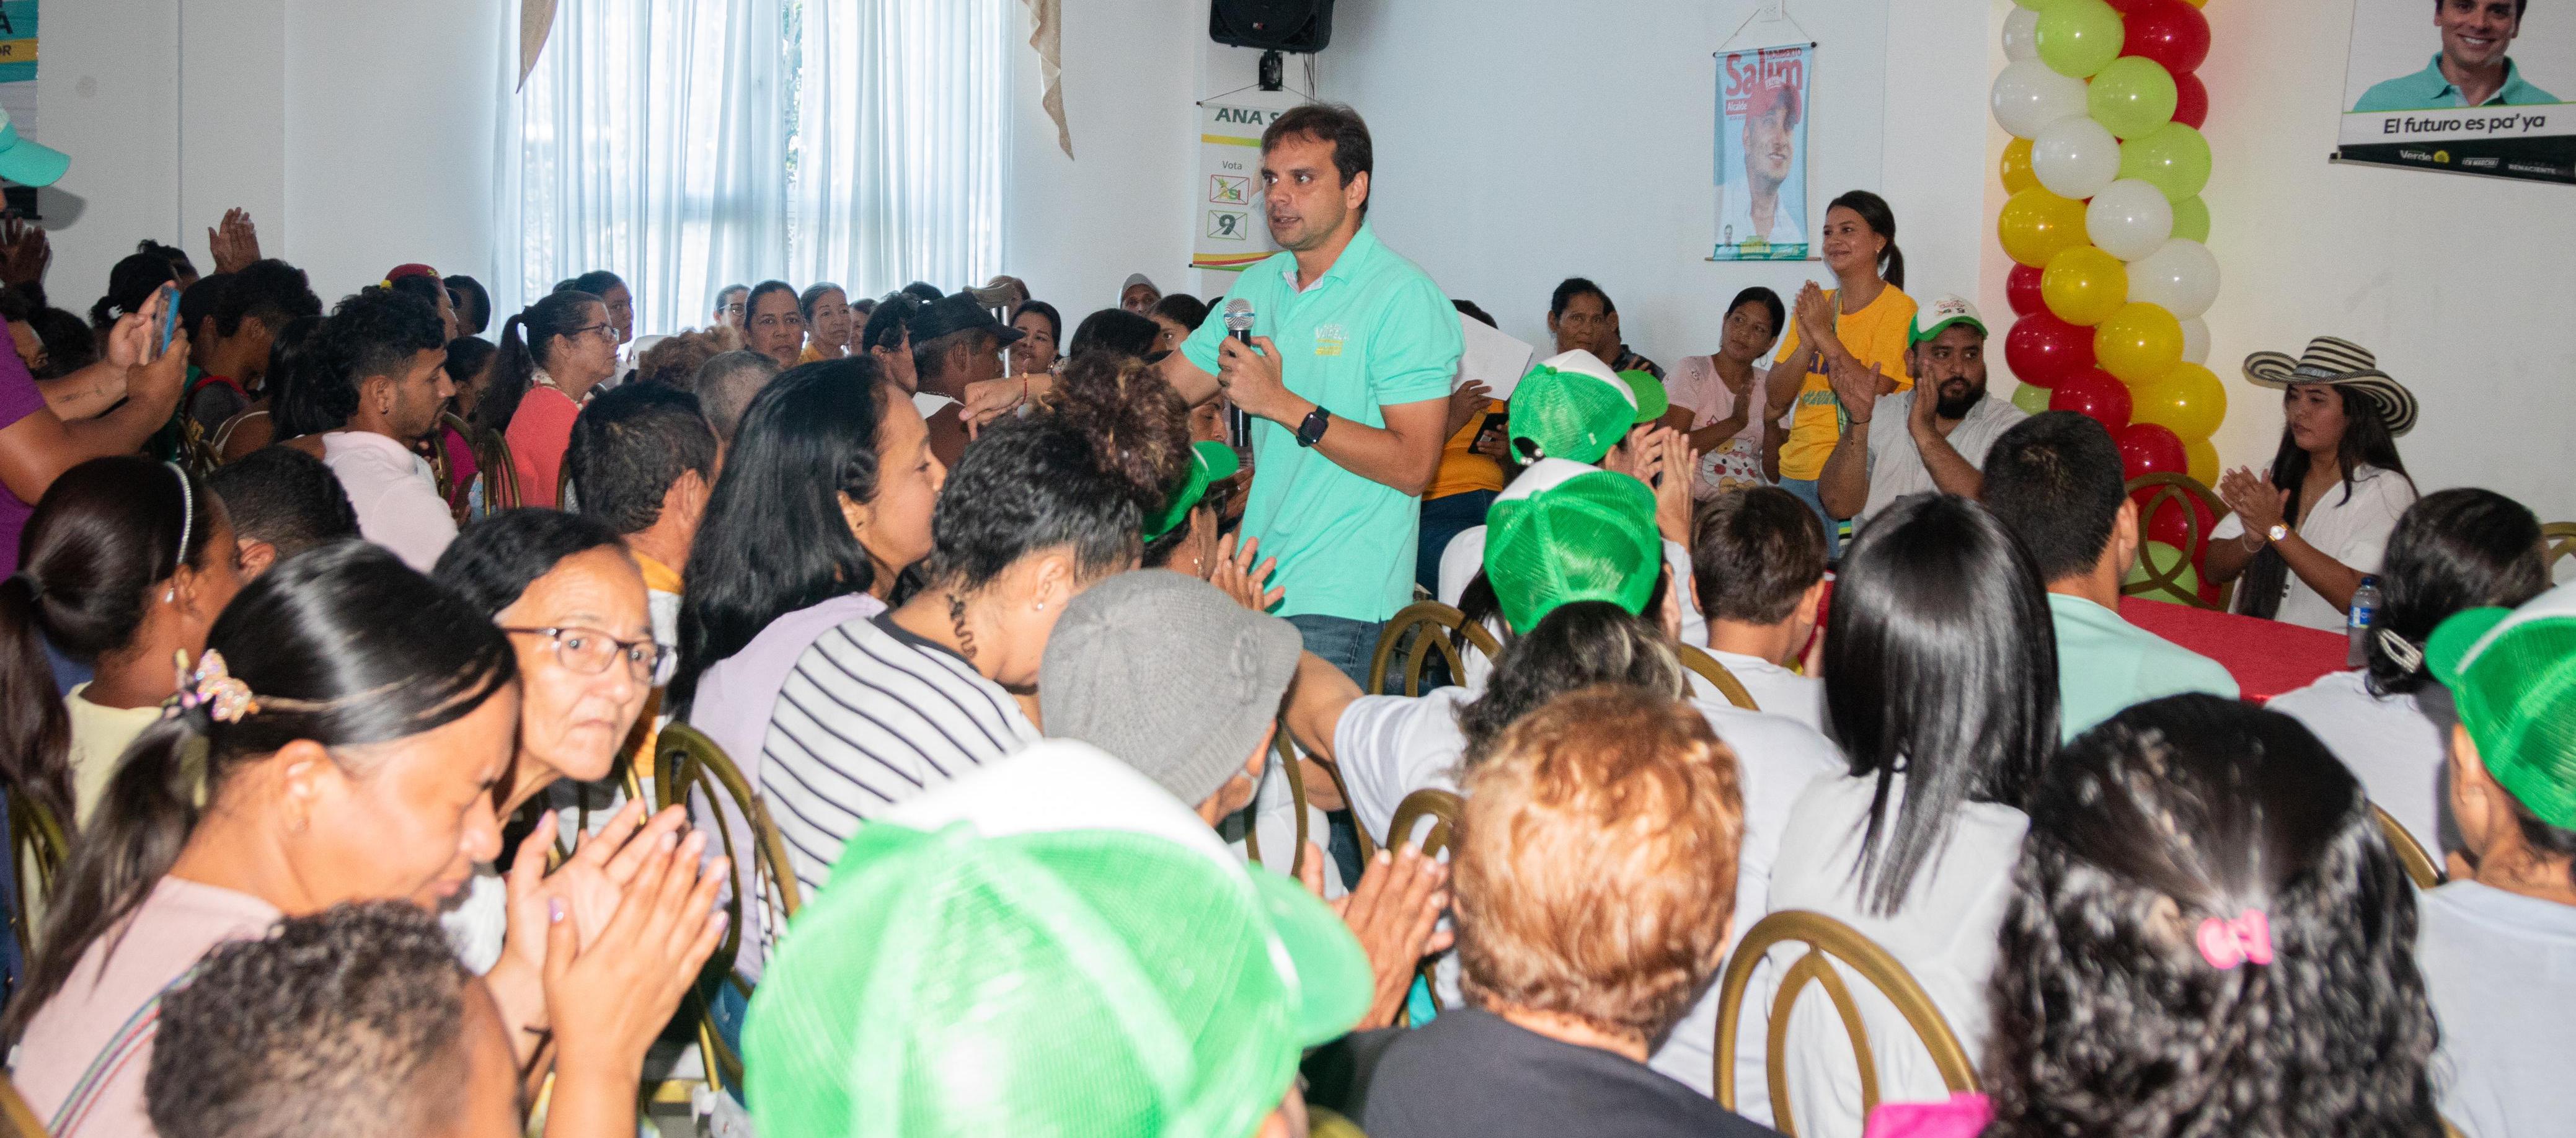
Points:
(1303, 26)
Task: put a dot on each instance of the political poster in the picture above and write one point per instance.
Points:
(2464, 86)
(1230, 231)
(1762, 153)
(18, 64)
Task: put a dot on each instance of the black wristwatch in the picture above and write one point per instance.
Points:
(1311, 431)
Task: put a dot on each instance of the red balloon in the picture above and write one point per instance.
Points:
(2171, 523)
(2022, 288)
(2094, 394)
(2168, 31)
(2124, 7)
(2042, 349)
(2191, 100)
(2151, 448)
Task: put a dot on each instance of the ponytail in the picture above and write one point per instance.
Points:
(526, 340)
(1892, 265)
(34, 727)
(1874, 211)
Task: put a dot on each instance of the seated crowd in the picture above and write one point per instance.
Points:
(340, 653)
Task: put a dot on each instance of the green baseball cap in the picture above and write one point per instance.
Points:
(24, 161)
(1570, 406)
(1566, 532)
(2512, 673)
(1930, 319)
(1210, 463)
(1648, 391)
(1050, 945)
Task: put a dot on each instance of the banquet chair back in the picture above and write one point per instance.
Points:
(1431, 627)
(1283, 758)
(1441, 808)
(2164, 582)
(37, 850)
(2557, 540)
(16, 1116)
(500, 474)
(687, 766)
(1829, 942)
(1706, 667)
(2419, 863)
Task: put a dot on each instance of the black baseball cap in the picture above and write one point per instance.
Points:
(958, 312)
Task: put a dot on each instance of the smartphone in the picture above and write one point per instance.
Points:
(169, 318)
(1496, 423)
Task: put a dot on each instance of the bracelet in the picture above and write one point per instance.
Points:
(1862, 422)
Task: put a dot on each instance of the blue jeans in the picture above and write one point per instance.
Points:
(1442, 519)
(1805, 489)
(1345, 644)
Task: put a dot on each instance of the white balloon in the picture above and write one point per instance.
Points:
(2181, 276)
(2028, 96)
(2021, 35)
(2075, 157)
(2195, 341)
(2129, 218)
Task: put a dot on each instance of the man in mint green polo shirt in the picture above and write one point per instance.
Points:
(1347, 381)
(2471, 70)
(2054, 481)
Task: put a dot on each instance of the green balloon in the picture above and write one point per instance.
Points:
(2079, 37)
(2191, 219)
(2173, 157)
(2132, 96)
(2156, 558)
(2031, 398)
(2037, 5)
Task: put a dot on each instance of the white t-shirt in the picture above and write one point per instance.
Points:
(1896, 465)
(1775, 689)
(394, 494)
(2351, 528)
(2500, 969)
(2390, 744)
(1944, 935)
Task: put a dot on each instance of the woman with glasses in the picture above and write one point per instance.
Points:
(551, 355)
(571, 600)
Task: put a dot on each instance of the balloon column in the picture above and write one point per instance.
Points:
(2105, 226)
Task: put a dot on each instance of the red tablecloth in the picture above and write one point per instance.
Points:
(2267, 657)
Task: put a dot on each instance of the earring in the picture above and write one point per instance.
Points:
(169, 596)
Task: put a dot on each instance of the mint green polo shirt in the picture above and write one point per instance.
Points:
(1372, 332)
(2106, 664)
(2428, 89)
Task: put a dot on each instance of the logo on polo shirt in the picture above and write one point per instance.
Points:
(1328, 339)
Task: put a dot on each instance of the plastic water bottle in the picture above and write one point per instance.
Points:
(2356, 622)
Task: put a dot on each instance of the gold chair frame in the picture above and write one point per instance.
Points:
(686, 762)
(17, 1115)
(1443, 808)
(2181, 490)
(2557, 539)
(1707, 668)
(1828, 941)
(37, 850)
(2420, 866)
(1283, 755)
(1425, 616)
(500, 473)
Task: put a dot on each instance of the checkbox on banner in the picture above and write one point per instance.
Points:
(1224, 190)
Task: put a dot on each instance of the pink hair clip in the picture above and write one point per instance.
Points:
(2227, 942)
(225, 698)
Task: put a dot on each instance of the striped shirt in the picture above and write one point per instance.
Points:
(871, 717)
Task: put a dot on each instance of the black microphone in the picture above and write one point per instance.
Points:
(1238, 320)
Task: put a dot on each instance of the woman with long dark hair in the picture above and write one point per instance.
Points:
(2306, 531)
(2452, 550)
(1862, 324)
(550, 357)
(2206, 934)
(1941, 687)
(285, 407)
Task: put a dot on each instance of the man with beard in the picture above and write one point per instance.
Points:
(1917, 445)
(2471, 70)
(1755, 211)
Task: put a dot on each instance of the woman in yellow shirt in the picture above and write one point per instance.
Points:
(1864, 321)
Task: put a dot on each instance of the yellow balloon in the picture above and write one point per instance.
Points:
(2037, 225)
(2017, 173)
(2188, 400)
(2201, 459)
(2084, 285)
(2140, 343)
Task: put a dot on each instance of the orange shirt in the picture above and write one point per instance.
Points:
(1461, 469)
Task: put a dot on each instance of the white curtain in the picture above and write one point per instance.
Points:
(898, 143)
(692, 144)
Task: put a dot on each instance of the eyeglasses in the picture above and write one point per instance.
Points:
(589, 652)
(605, 332)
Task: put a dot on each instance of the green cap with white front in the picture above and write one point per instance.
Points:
(1571, 406)
(1930, 319)
(2512, 674)
(1210, 463)
(1565, 532)
(977, 966)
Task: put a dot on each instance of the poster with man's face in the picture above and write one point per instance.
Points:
(1762, 153)
(2470, 86)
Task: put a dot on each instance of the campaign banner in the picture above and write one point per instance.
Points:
(1230, 231)
(1762, 153)
(2468, 91)
(18, 64)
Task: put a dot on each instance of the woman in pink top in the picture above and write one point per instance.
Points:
(551, 354)
(337, 741)
(1722, 395)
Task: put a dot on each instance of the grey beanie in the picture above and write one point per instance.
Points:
(1169, 674)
